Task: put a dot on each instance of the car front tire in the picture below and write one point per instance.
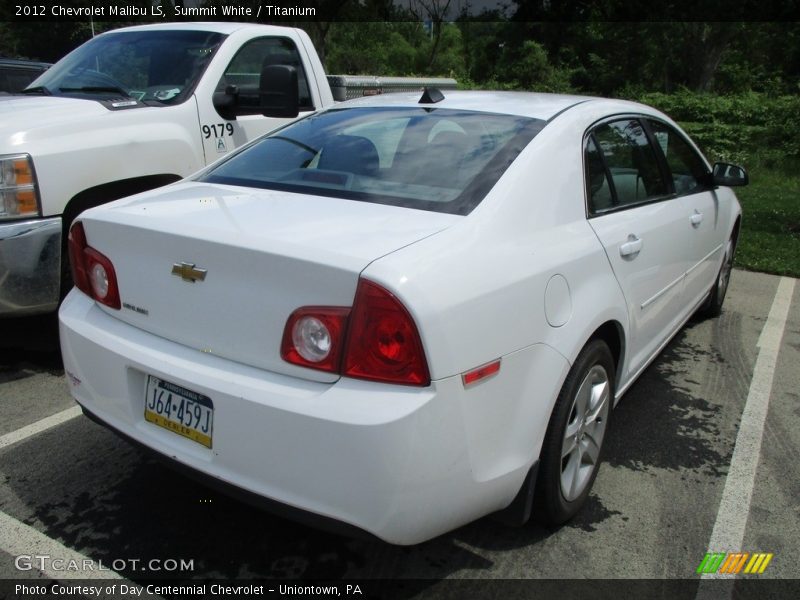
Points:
(713, 306)
(573, 445)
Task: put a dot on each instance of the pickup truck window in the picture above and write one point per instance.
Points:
(155, 67)
(441, 160)
(244, 72)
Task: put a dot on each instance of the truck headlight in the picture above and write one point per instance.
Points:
(19, 196)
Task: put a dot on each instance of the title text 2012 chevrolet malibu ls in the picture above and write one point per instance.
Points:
(402, 313)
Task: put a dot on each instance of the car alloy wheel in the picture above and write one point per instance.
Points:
(573, 446)
(584, 433)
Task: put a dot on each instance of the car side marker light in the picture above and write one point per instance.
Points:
(480, 373)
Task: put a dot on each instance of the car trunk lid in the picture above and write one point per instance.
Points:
(263, 254)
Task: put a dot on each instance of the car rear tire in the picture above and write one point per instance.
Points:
(713, 306)
(573, 444)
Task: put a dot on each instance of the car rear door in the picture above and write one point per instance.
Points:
(642, 227)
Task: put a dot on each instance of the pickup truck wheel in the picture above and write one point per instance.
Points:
(573, 444)
(713, 306)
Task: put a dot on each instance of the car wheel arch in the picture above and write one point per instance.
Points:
(613, 334)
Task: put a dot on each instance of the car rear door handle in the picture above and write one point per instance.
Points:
(696, 218)
(632, 247)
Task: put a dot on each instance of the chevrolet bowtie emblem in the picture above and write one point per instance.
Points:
(188, 272)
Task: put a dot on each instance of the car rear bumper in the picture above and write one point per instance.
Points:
(397, 462)
(261, 502)
(30, 266)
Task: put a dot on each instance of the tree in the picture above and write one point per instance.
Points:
(433, 12)
(706, 45)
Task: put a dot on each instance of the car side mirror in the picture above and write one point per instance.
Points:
(226, 102)
(729, 175)
(278, 94)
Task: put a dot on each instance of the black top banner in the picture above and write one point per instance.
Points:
(277, 11)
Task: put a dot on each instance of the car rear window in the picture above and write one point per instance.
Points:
(442, 160)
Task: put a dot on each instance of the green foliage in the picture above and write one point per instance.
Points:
(528, 67)
(770, 238)
(746, 128)
(483, 42)
(449, 58)
(393, 48)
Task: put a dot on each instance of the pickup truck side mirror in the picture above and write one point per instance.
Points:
(226, 102)
(278, 95)
(729, 175)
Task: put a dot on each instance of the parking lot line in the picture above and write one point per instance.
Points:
(39, 426)
(734, 508)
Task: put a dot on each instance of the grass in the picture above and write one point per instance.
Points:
(770, 237)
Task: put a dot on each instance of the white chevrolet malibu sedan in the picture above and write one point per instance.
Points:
(402, 314)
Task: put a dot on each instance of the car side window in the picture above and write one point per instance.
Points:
(685, 165)
(244, 71)
(597, 187)
(631, 162)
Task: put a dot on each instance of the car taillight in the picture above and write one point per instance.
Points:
(383, 343)
(376, 340)
(92, 272)
(77, 244)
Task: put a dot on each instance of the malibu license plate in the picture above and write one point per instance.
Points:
(182, 411)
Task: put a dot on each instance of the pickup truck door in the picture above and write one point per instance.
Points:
(220, 135)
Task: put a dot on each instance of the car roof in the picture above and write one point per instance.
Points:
(524, 104)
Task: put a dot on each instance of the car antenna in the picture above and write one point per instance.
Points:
(431, 95)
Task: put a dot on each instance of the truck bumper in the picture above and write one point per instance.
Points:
(30, 266)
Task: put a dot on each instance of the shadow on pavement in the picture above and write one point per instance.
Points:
(30, 342)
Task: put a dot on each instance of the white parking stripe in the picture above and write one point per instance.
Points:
(734, 508)
(19, 539)
(38, 427)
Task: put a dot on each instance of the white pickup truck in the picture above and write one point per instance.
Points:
(134, 109)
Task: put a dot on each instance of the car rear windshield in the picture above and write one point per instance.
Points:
(442, 160)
